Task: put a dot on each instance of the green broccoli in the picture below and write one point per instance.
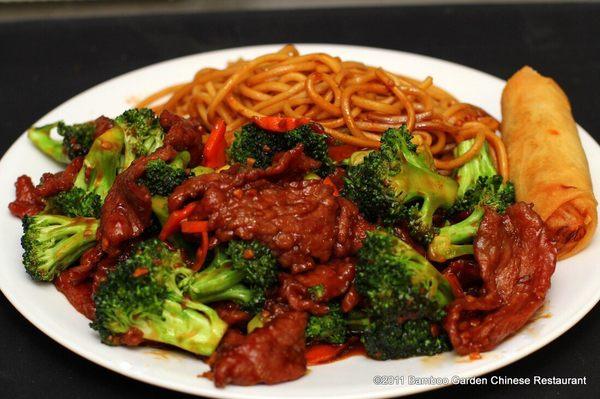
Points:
(93, 181)
(51, 243)
(330, 328)
(479, 186)
(77, 138)
(75, 202)
(396, 281)
(161, 178)
(101, 164)
(383, 338)
(405, 296)
(399, 182)
(241, 271)
(143, 293)
(143, 133)
(40, 137)
(387, 339)
(257, 144)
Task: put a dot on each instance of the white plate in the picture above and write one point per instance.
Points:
(575, 284)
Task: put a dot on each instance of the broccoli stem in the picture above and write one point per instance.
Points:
(452, 241)
(40, 137)
(101, 163)
(480, 165)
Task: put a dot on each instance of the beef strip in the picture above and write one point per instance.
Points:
(300, 220)
(334, 279)
(127, 210)
(517, 258)
(269, 355)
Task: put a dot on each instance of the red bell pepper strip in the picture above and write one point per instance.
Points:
(329, 182)
(279, 124)
(322, 353)
(201, 252)
(214, 148)
(173, 223)
(340, 152)
(194, 226)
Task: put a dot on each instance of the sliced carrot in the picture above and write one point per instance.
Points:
(214, 148)
(330, 182)
(194, 226)
(340, 152)
(172, 225)
(140, 271)
(322, 353)
(280, 124)
(201, 253)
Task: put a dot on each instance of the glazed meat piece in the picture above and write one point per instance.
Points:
(27, 202)
(517, 258)
(74, 285)
(30, 200)
(300, 220)
(101, 125)
(183, 134)
(54, 183)
(327, 282)
(269, 355)
(127, 209)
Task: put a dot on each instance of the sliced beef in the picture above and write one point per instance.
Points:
(27, 202)
(127, 209)
(269, 355)
(517, 258)
(30, 200)
(54, 183)
(300, 220)
(328, 281)
(183, 134)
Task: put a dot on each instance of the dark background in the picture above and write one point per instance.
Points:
(44, 63)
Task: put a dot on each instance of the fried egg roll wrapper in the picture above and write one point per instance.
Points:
(546, 158)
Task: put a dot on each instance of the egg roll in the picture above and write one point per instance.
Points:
(547, 164)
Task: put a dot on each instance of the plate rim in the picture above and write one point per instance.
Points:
(90, 355)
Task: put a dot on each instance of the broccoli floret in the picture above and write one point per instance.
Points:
(94, 180)
(75, 202)
(161, 178)
(330, 328)
(316, 292)
(143, 133)
(479, 186)
(77, 138)
(387, 339)
(143, 293)
(397, 282)
(260, 145)
(40, 137)
(101, 164)
(399, 182)
(51, 243)
(241, 271)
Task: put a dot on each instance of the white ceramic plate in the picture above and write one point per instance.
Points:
(575, 284)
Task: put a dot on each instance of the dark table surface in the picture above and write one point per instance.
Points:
(45, 63)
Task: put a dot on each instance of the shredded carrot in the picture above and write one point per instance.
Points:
(172, 225)
(330, 182)
(340, 152)
(201, 252)
(279, 124)
(194, 226)
(140, 271)
(322, 353)
(214, 149)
